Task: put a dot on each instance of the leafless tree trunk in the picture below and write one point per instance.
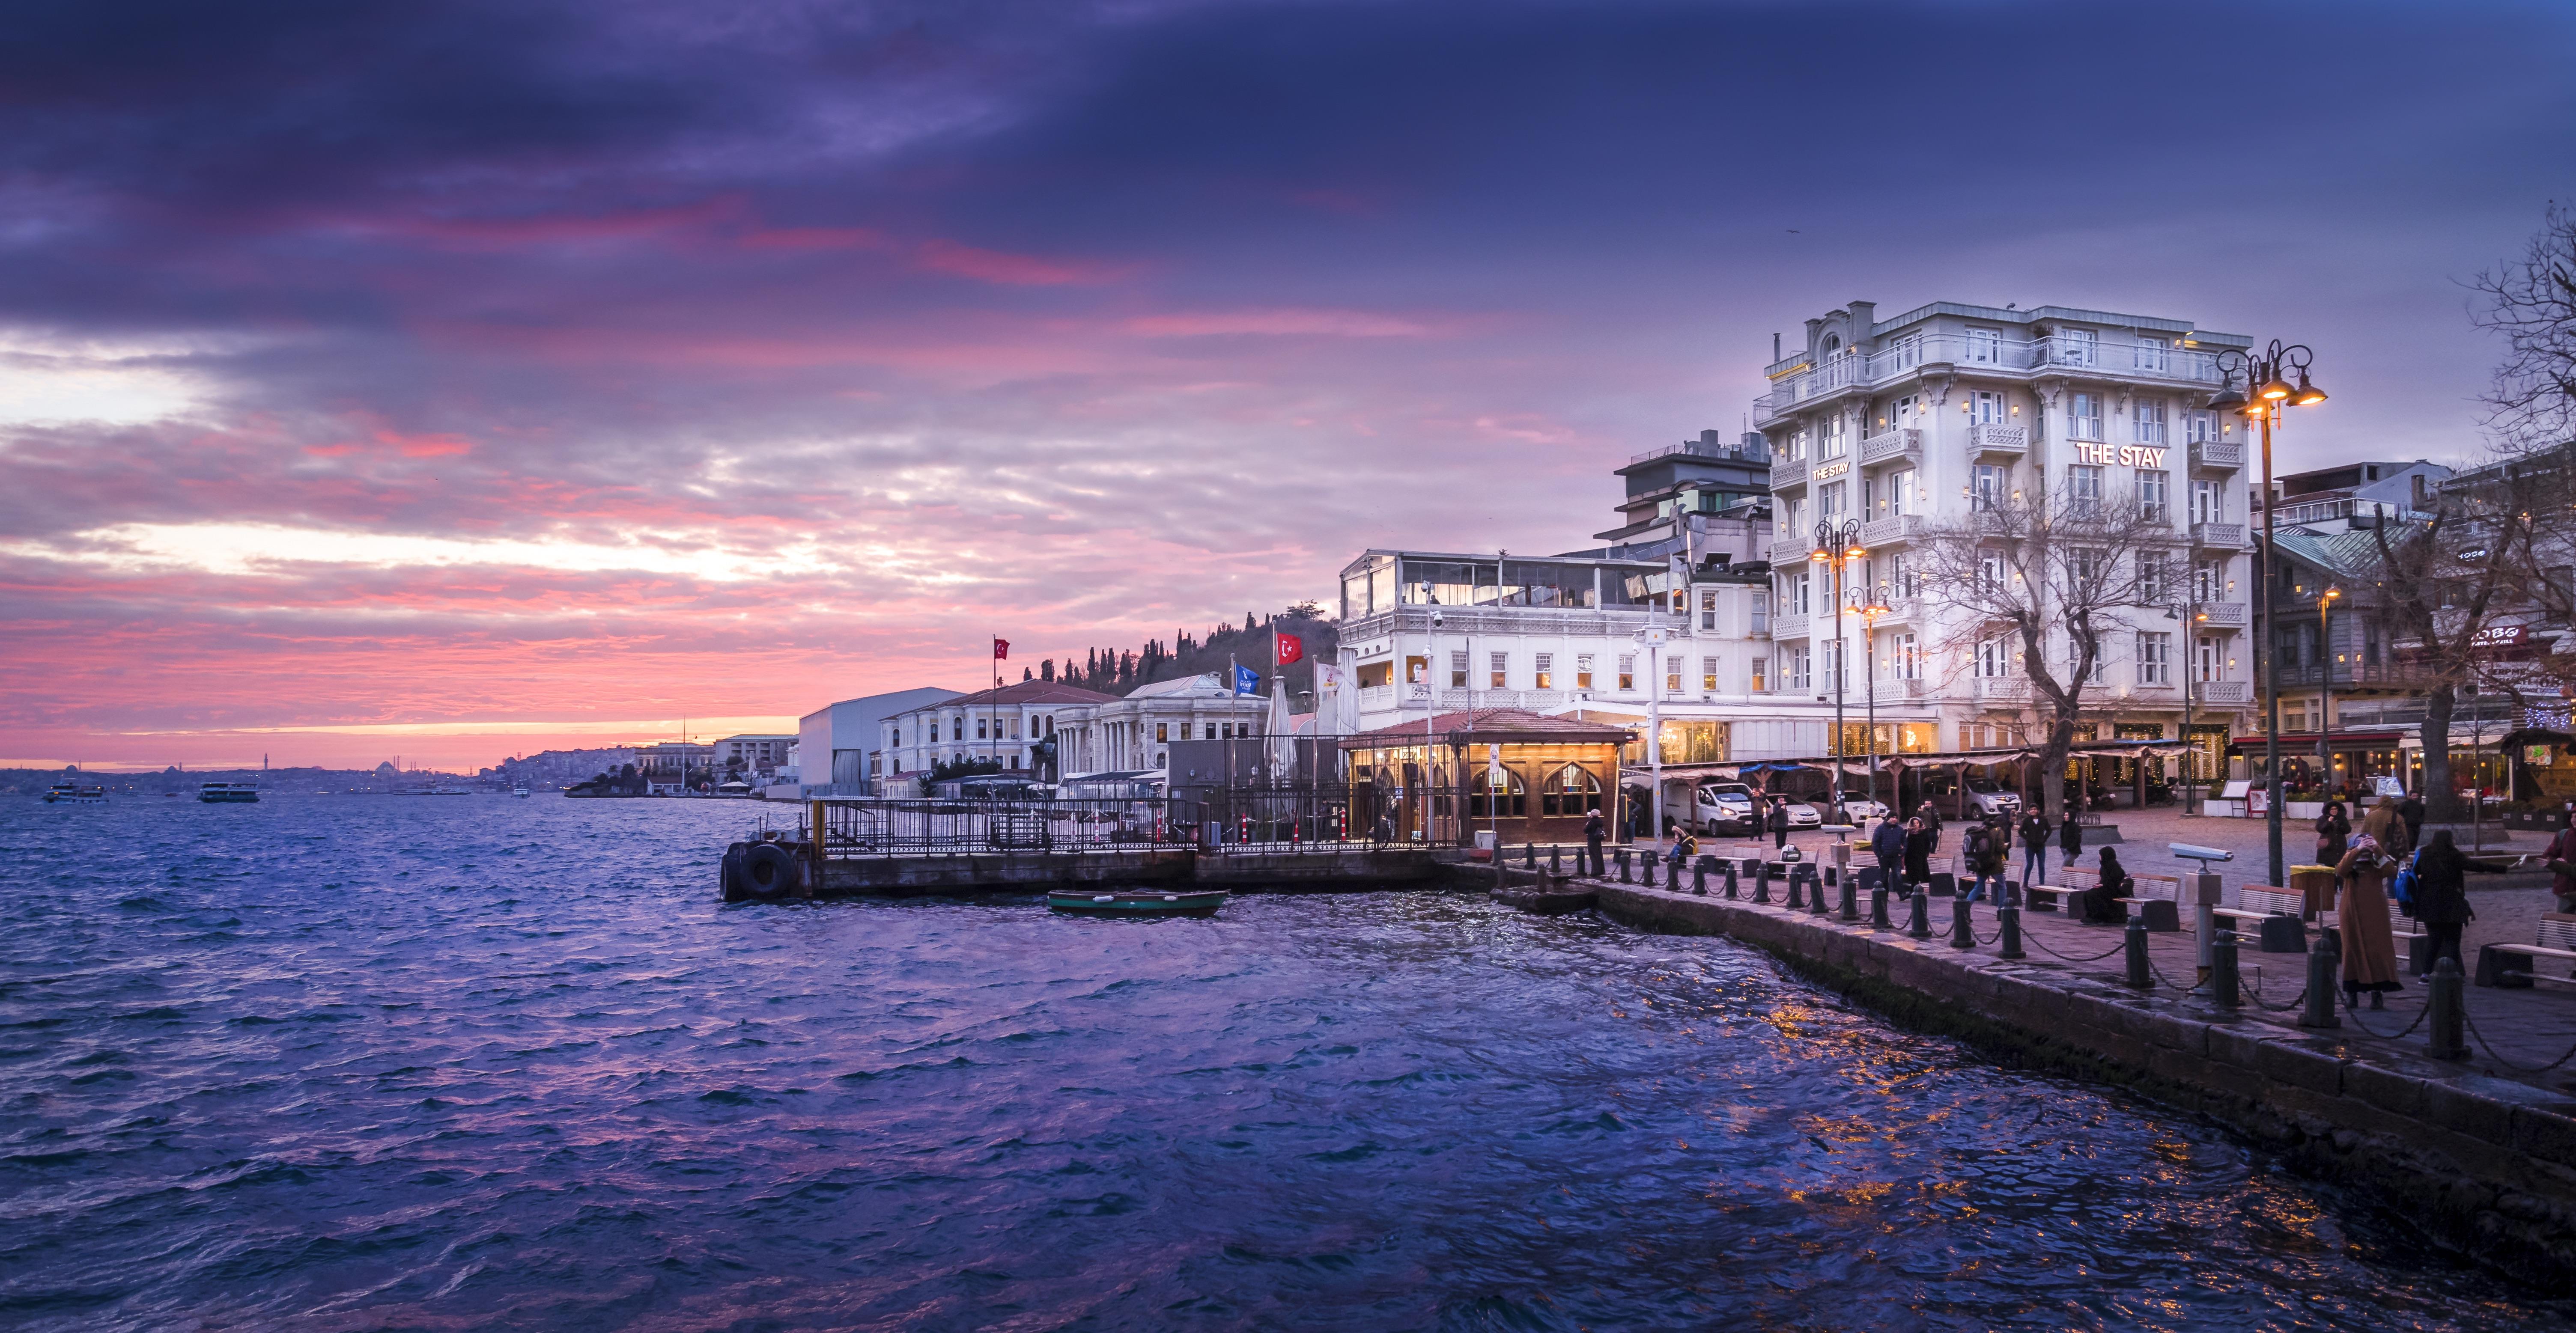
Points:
(2037, 588)
(2532, 302)
(2440, 584)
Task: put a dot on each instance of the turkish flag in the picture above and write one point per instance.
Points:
(1001, 650)
(1289, 648)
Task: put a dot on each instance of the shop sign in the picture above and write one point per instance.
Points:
(2125, 455)
(2385, 785)
(2500, 636)
(1832, 470)
(2539, 756)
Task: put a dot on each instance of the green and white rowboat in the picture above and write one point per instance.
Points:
(1137, 902)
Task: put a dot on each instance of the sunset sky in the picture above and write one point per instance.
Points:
(466, 379)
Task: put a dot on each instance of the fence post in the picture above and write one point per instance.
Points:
(1816, 892)
(1762, 882)
(1851, 897)
(1529, 855)
(2008, 923)
(1963, 930)
(1555, 859)
(2141, 972)
(1623, 867)
(2449, 1040)
(1797, 890)
(1730, 877)
(2225, 983)
(1878, 907)
(2321, 986)
(1699, 877)
(1919, 924)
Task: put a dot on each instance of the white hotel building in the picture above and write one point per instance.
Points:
(1920, 418)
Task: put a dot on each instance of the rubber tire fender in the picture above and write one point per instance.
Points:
(771, 872)
(729, 874)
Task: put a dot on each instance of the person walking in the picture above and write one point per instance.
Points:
(2441, 896)
(1986, 849)
(1779, 822)
(2070, 839)
(2102, 905)
(1918, 854)
(2361, 921)
(2561, 860)
(2334, 835)
(1595, 832)
(1888, 843)
(2034, 841)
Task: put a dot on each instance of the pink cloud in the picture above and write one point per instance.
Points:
(1282, 322)
(965, 261)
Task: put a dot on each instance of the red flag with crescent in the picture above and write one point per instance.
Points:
(1290, 648)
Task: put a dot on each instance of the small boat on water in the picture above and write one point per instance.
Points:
(72, 793)
(520, 791)
(227, 793)
(1136, 902)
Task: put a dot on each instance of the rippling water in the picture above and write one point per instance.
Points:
(353, 1062)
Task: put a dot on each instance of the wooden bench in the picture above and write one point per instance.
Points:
(2051, 897)
(2509, 965)
(2274, 915)
(2157, 899)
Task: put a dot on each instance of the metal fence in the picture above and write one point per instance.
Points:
(857, 828)
(1268, 819)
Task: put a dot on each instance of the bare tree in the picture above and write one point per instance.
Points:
(2444, 584)
(2037, 590)
(2532, 302)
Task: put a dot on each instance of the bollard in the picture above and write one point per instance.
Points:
(1851, 898)
(1529, 855)
(2141, 973)
(1963, 929)
(1730, 879)
(2446, 998)
(1878, 910)
(1816, 893)
(2225, 984)
(1555, 859)
(1699, 877)
(1651, 861)
(1762, 882)
(2008, 924)
(1797, 890)
(1623, 867)
(1920, 924)
(2321, 986)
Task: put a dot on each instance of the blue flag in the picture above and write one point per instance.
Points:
(1247, 680)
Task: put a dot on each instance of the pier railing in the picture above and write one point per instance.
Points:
(861, 828)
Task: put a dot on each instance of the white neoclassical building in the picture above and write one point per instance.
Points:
(1901, 422)
(1093, 732)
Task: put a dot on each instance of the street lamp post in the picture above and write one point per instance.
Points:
(2266, 389)
(1837, 545)
(1869, 666)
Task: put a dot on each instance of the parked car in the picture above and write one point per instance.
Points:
(1862, 810)
(1803, 815)
(1722, 808)
(1993, 800)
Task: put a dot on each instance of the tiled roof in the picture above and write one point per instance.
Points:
(1027, 692)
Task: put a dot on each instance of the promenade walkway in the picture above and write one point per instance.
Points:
(2522, 1035)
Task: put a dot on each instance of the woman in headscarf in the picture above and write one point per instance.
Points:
(1918, 853)
(2441, 895)
(2334, 834)
(2102, 905)
(2361, 919)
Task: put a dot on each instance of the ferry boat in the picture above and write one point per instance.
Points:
(226, 793)
(520, 791)
(72, 793)
(1137, 902)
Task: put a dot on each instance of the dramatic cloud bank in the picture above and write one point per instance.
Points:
(454, 379)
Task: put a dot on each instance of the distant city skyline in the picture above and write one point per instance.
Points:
(486, 379)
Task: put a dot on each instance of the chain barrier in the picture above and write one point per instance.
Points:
(2159, 974)
(2499, 1059)
(2030, 937)
(2356, 1013)
(2255, 986)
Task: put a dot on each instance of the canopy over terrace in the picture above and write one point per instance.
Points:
(1766, 773)
(1434, 782)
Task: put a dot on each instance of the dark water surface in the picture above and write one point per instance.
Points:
(473, 1062)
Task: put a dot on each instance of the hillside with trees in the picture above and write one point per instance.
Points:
(1114, 670)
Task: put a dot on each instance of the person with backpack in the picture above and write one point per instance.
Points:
(1986, 850)
(2439, 896)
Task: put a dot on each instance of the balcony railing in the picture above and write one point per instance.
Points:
(1891, 444)
(2217, 455)
(2218, 536)
(1981, 353)
(2003, 689)
(1788, 627)
(1790, 552)
(2222, 615)
(1989, 438)
(1786, 472)
(2222, 692)
(1533, 700)
(1890, 530)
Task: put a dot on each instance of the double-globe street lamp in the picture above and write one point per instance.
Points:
(2267, 390)
(1837, 545)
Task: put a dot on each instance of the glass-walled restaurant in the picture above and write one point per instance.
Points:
(1381, 581)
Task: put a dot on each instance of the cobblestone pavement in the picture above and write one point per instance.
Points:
(2514, 1032)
